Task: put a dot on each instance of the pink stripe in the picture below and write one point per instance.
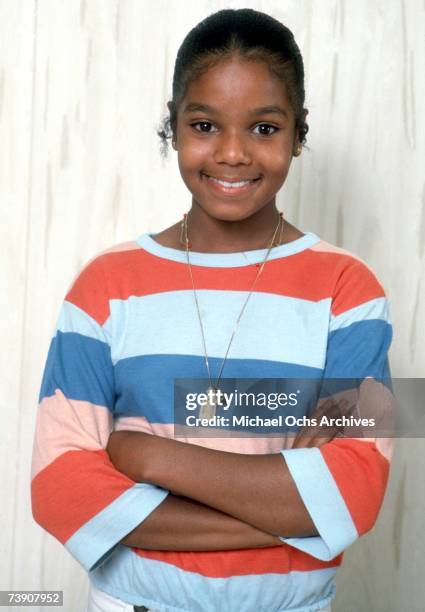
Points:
(64, 425)
(245, 445)
(326, 247)
(377, 401)
(131, 245)
(385, 446)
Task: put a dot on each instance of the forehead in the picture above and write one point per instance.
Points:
(237, 85)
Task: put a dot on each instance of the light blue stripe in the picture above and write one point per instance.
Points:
(324, 503)
(95, 541)
(291, 329)
(163, 586)
(227, 260)
(373, 309)
(74, 319)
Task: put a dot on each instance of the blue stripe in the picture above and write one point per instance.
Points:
(359, 350)
(81, 367)
(163, 586)
(144, 385)
(291, 329)
(95, 541)
(373, 309)
(324, 504)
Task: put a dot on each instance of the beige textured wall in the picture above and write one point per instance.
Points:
(82, 86)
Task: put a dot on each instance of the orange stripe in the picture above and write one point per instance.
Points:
(361, 473)
(73, 489)
(223, 564)
(307, 275)
(89, 291)
(357, 285)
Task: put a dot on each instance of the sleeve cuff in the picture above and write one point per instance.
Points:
(324, 504)
(96, 540)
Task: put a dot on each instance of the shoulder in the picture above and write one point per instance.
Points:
(351, 280)
(338, 258)
(117, 254)
(98, 281)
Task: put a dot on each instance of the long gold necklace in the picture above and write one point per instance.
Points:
(208, 410)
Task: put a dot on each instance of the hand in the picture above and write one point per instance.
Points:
(314, 436)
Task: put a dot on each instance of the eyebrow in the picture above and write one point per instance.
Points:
(262, 110)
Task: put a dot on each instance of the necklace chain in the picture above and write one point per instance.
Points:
(277, 243)
(185, 240)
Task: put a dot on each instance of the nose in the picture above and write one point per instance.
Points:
(233, 149)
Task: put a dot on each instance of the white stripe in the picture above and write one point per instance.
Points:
(99, 601)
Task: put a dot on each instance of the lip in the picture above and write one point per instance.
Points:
(231, 179)
(249, 185)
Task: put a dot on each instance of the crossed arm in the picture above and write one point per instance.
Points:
(219, 500)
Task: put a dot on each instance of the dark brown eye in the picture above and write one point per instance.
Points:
(203, 126)
(264, 129)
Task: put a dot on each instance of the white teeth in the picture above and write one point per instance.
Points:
(228, 184)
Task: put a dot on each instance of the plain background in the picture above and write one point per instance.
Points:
(83, 84)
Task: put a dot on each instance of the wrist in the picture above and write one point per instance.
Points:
(258, 537)
(262, 539)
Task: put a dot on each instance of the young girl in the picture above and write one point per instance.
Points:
(234, 524)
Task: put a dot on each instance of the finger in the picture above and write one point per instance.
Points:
(332, 405)
(319, 434)
(326, 433)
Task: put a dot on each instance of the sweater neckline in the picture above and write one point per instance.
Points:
(224, 260)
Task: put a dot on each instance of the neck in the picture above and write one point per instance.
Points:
(208, 234)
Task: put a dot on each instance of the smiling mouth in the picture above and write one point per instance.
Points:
(231, 184)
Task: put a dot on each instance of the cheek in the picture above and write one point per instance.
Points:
(193, 154)
(276, 154)
(277, 160)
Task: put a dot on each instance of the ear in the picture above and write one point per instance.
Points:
(297, 149)
(173, 138)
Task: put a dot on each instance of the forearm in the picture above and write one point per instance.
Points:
(256, 489)
(183, 524)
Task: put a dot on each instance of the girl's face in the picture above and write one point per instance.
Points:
(235, 139)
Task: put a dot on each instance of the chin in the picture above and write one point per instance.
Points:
(226, 211)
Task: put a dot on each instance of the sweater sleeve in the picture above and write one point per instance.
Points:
(342, 483)
(77, 494)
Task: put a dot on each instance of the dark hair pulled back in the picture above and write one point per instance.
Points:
(246, 33)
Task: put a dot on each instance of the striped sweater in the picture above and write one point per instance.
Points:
(127, 328)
